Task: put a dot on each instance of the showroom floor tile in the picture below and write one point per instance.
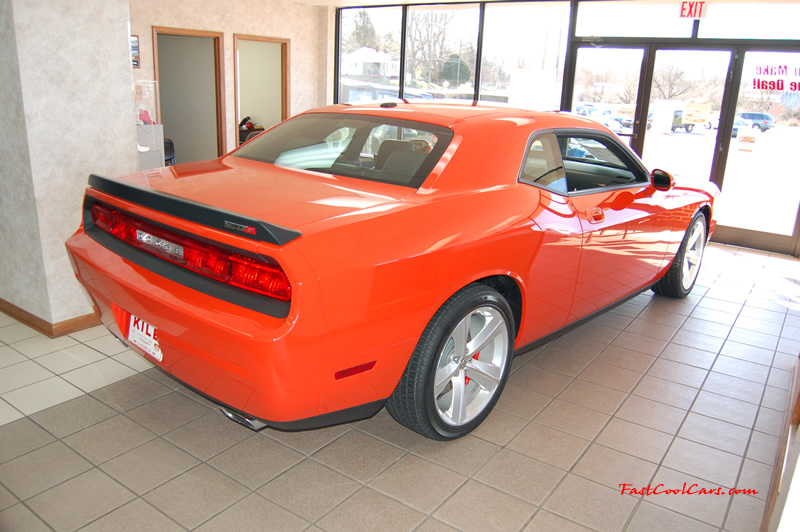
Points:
(655, 391)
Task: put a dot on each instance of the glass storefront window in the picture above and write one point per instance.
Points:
(638, 18)
(370, 54)
(441, 51)
(750, 20)
(522, 67)
(607, 86)
(683, 115)
(761, 189)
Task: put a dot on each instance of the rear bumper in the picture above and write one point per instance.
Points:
(281, 371)
(324, 420)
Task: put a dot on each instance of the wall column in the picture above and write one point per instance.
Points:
(67, 87)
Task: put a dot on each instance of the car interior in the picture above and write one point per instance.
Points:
(363, 148)
(567, 164)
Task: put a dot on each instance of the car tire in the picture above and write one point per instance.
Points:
(682, 273)
(689, 128)
(446, 390)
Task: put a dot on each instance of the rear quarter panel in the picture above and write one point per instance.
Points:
(381, 280)
(382, 275)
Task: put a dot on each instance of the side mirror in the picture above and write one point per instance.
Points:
(662, 180)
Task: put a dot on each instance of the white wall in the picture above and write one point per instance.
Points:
(20, 227)
(309, 29)
(326, 48)
(68, 111)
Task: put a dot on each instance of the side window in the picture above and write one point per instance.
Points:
(595, 162)
(543, 166)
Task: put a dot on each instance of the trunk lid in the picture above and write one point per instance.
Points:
(282, 196)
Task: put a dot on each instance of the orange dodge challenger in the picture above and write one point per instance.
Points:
(396, 254)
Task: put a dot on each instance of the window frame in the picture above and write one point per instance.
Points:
(612, 143)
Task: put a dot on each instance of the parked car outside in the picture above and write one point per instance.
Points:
(398, 255)
(763, 121)
(605, 117)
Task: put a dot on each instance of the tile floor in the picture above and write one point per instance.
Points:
(656, 391)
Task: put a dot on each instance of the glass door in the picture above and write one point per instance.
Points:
(684, 108)
(606, 87)
(761, 186)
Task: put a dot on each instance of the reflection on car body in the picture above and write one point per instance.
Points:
(397, 254)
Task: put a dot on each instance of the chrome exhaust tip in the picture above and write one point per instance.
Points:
(243, 419)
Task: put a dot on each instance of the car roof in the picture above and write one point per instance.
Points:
(449, 113)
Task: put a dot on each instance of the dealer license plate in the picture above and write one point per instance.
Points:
(145, 337)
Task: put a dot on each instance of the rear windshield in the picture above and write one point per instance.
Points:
(401, 152)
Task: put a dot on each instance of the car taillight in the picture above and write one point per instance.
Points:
(258, 277)
(263, 277)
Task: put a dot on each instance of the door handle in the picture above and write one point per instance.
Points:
(595, 215)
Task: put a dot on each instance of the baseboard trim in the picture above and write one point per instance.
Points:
(50, 329)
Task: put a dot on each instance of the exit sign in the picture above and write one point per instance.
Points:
(695, 10)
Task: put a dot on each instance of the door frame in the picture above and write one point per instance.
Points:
(284, 72)
(722, 141)
(784, 244)
(219, 76)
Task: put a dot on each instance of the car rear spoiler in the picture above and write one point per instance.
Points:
(196, 212)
